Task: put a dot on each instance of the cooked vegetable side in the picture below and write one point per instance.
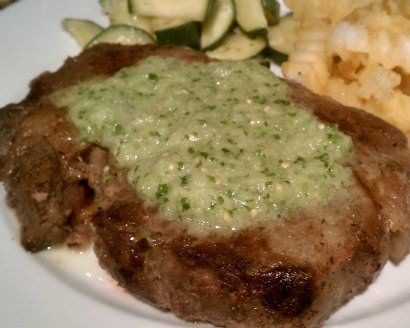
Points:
(218, 24)
(186, 9)
(238, 46)
(251, 17)
(282, 36)
(82, 30)
(120, 12)
(221, 27)
(185, 34)
(121, 34)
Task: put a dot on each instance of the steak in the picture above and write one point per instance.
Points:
(291, 274)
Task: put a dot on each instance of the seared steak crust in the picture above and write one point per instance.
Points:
(291, 274)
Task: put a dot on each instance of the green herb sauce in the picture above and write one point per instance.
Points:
(218, 145)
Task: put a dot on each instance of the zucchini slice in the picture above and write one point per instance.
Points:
(282, 36)
(82, 30)
(251, 17)
(116, 10)
(217, 24)
(238, 46)
(192, 10)
(276, 57)
(159, 24)
(122, 34)
(118, 13)
(186, 34)
(106, 4)
(271, 9)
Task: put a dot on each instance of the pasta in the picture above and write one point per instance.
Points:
(334, 10)
(356, 51)
(308, 63)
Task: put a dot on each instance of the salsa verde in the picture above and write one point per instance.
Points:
(218, 145)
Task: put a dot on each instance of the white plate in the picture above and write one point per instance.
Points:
(61, 289)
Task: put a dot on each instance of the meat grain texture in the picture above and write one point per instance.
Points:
(292, 274)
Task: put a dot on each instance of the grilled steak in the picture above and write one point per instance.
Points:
(292, 274)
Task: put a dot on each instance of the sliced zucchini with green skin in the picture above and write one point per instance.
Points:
(118, 13)
(116, 10)
(82, 30)
(122, 34)
(251, 17)
(158, 24)
(238, 46)
(187, 34)
(215, 28)
(275, 56)
(271, 9)
(106, 5)
(282, 36)
(192, 10)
